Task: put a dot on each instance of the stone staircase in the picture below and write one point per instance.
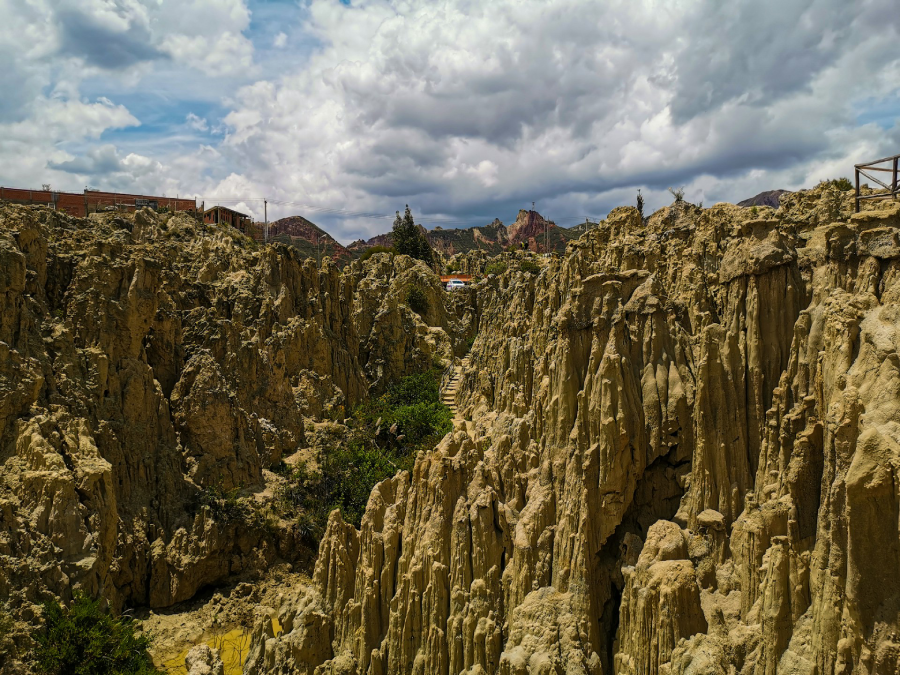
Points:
(448, 395)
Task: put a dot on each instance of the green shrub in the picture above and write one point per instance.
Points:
(497, 268)
(423, 423)
(412, 389)
(224, 505)
(383, 438)
(369, 252)
(85, 640)
(843, 184)
(530, 267)
(417, 300)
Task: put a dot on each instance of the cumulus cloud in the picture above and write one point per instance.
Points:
(460, 106)
(105, 35)
(49, 48)
(475, 109)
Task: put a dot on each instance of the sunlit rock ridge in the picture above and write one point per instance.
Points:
(681, 456)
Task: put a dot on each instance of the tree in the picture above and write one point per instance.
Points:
(85, 640)
(409, 239)
(640, 203)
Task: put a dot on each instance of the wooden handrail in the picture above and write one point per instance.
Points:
(891, 190)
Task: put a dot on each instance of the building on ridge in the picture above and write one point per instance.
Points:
(222, 215)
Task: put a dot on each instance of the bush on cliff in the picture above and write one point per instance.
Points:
(369, 252)
(417, 300)
(530, 267)
(85, 639)
(382, 438)
(843, 184)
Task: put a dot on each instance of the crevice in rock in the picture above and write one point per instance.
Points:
(656, 497)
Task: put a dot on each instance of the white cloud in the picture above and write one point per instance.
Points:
(463, 107)
(218, 55)
(196, 122)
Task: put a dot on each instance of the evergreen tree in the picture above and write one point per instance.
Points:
(409, 239)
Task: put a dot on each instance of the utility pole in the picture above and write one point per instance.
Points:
(266, 218)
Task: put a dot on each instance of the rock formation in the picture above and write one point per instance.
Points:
(147, 362)
(202, 660)
(529, 228)
(682, 455)
(310, 240)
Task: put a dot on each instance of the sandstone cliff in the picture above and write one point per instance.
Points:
(682, 455)
(147, 362)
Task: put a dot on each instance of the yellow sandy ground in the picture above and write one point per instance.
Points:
(233, 647)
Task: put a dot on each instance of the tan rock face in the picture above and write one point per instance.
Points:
(147, 360)
(202, 660)
(683, 457)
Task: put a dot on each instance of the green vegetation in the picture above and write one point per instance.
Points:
(224, 505)
(86, 640)
(369, 252)
(410, 240)
(383, 437)
(417, 300)
(754, 211)
(843, 184)
(530, 267)
(495, 268)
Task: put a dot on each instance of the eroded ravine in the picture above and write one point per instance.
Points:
(637, 493)
(672, 448)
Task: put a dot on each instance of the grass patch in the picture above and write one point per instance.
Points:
(497, 268)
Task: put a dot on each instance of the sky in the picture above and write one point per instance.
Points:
(343, 111)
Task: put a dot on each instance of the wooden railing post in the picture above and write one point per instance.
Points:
(857, 188)
(894, 179)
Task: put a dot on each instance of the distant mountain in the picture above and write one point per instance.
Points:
(495, 237)
(768, 198)
(308, 238)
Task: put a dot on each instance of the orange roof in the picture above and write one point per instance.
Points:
(455, 277)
